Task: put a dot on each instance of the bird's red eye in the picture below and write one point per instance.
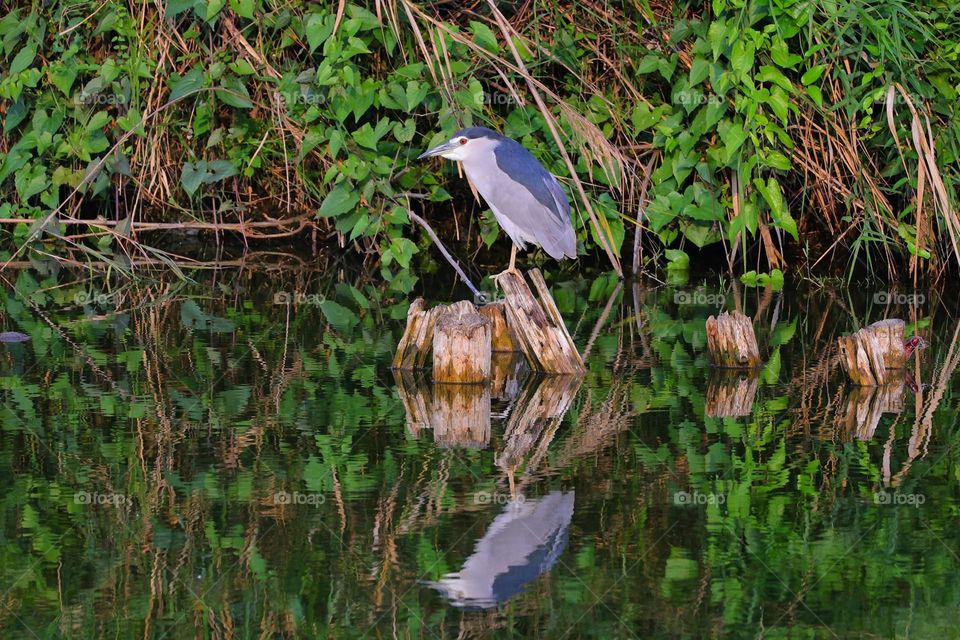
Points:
(463, 141)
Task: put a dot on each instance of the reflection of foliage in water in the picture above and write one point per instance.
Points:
(180, 420)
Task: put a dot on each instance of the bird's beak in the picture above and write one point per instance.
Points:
(436, 151)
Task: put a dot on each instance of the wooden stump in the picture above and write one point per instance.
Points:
(731, 342)
(873, 355)
(460, 415)
(417, 340)
(502, 338)
(731, 396)
(538, 326)
(461, 345)
(507, 370)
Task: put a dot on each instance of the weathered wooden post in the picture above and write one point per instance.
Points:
(502, 338)
(507, 370)
(462, 338)
(461, 345)
(538, 326)
(874, 355)
(415, 345)
(731, 341)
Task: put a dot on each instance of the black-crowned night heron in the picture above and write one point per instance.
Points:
(526, 199)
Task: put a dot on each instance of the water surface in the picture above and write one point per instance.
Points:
(208, 460)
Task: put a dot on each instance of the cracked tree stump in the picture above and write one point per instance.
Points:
(462, 338)
(538, 326)
(461, 345)
(507, 371)
(873, 355)
(502, 338)
(731, 341)
(417, 340)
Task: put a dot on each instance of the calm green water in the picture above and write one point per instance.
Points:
(198, 461)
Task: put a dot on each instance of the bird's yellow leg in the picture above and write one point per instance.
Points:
(513, 258)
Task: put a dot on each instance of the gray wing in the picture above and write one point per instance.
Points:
(544, 218)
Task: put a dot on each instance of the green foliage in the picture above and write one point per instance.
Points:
(336, 108)
(147, 430)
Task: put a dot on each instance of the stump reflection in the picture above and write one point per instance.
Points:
(535, 417)
(460, 415)
(865, 405)
(730, 395)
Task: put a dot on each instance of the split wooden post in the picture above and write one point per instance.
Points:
(872, 355)
(415, 345)
(461, 345)
(731, 341)
(538, 325)
(507, 371)
(502, 337)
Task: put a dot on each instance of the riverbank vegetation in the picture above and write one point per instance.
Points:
(762, 134)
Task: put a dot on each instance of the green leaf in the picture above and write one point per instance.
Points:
(813, 74)
(778, 207)
(98, 121)
(243, 8)
(777, 160)
(338, 315)
(699, 71)
(741, 58)
(318, 30)
(678, 260)
(649, 64)
(815, 94)
(24, 58)
(191, 176)
(779, 103)
(402, 250)
(63, 77)
(404, 132)
(213, 9)
(733, 136)
(415, 93)
(484, 36)
(341, 199)
(191, 81)
(717, 35)
(219, 170)
(234, 93)
(781, 55)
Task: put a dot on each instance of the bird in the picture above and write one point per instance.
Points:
(526, 199)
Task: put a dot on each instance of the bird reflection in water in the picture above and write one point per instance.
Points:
(520, 545)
